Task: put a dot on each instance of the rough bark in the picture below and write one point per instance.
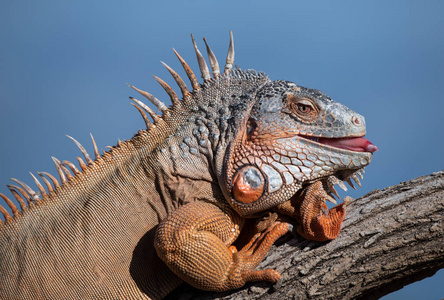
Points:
(390, 238)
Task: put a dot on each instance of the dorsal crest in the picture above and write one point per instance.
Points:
(186, 93)
(27, 198)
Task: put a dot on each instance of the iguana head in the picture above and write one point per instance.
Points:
(293, 136)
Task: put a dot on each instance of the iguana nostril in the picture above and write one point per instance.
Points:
(356, 121)
(248, 185)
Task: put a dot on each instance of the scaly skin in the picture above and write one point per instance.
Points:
(283, 144)
(314, 221)
(235, 149)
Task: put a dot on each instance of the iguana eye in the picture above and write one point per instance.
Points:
(304, 108)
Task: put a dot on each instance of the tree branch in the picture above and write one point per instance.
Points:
(390, 238)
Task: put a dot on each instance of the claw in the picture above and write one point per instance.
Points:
(332, 200)
(331, 181)
(334, 192)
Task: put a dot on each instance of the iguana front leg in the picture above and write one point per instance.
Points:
(194, 241)
(315, 221)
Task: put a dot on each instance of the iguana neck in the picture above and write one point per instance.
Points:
(205, 125)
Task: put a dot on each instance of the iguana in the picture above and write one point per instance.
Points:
(239, 159)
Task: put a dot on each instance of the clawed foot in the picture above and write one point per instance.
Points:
(318, 223)
(246, 259)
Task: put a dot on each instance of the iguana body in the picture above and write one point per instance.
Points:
(234, 148)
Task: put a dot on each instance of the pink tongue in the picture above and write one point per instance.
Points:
(354, 144)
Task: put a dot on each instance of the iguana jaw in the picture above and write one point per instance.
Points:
(350, 143)
(356, 144)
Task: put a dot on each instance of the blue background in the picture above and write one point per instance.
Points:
(64, 65)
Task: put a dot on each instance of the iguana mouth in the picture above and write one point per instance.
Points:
(357, 144)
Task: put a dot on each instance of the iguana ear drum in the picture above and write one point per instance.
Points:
(248, 184)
